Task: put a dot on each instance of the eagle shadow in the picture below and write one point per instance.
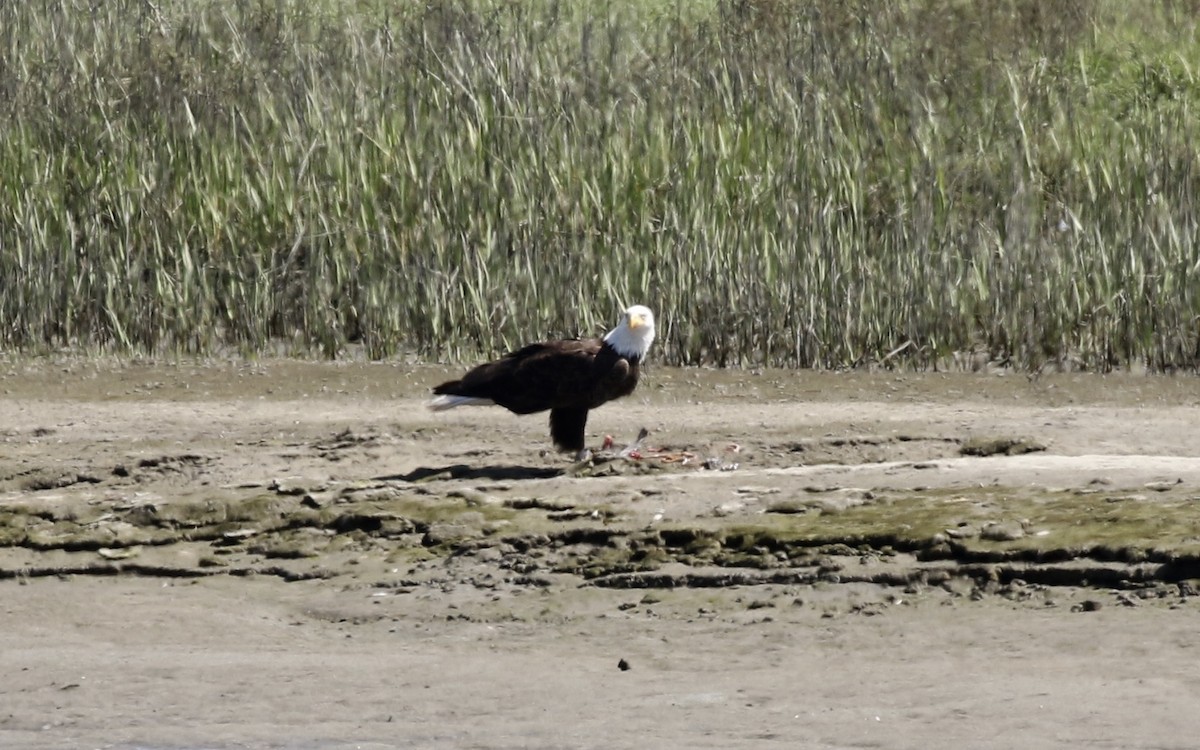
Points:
(463, 471)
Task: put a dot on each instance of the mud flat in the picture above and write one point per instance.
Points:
(293, 555)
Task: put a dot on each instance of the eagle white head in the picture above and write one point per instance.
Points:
(634, 334)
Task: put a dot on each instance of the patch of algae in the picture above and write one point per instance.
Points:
(270, 524)
(1113, 525)
(13, 525)
(217, 514)
(968, 525)
(616, 559)
(907, 522)
(1032, 520)
(428, 510)
(937, 524)
(1000, 446)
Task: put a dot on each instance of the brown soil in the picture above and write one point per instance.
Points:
(299, 555)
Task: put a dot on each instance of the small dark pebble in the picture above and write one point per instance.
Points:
(120, 470)
(623, 665)
(1088, 605)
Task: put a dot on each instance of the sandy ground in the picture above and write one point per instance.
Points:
(297, 555)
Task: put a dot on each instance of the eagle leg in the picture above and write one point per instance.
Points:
(567, 428)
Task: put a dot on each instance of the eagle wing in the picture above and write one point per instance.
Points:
(555, 374)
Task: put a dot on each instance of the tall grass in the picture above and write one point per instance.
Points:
(786, 182)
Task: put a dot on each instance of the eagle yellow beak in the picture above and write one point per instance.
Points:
(636, 321)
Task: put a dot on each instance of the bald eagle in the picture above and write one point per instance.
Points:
(568, 377)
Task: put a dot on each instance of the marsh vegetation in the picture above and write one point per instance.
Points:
(798, 183)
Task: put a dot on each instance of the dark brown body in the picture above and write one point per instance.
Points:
(567, 377)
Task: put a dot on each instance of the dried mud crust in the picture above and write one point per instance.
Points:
(964, 484)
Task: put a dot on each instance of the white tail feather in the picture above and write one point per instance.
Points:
(442, 403)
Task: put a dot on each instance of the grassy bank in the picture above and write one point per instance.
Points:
(793, 183)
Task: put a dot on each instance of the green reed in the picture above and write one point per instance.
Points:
(786, 182)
